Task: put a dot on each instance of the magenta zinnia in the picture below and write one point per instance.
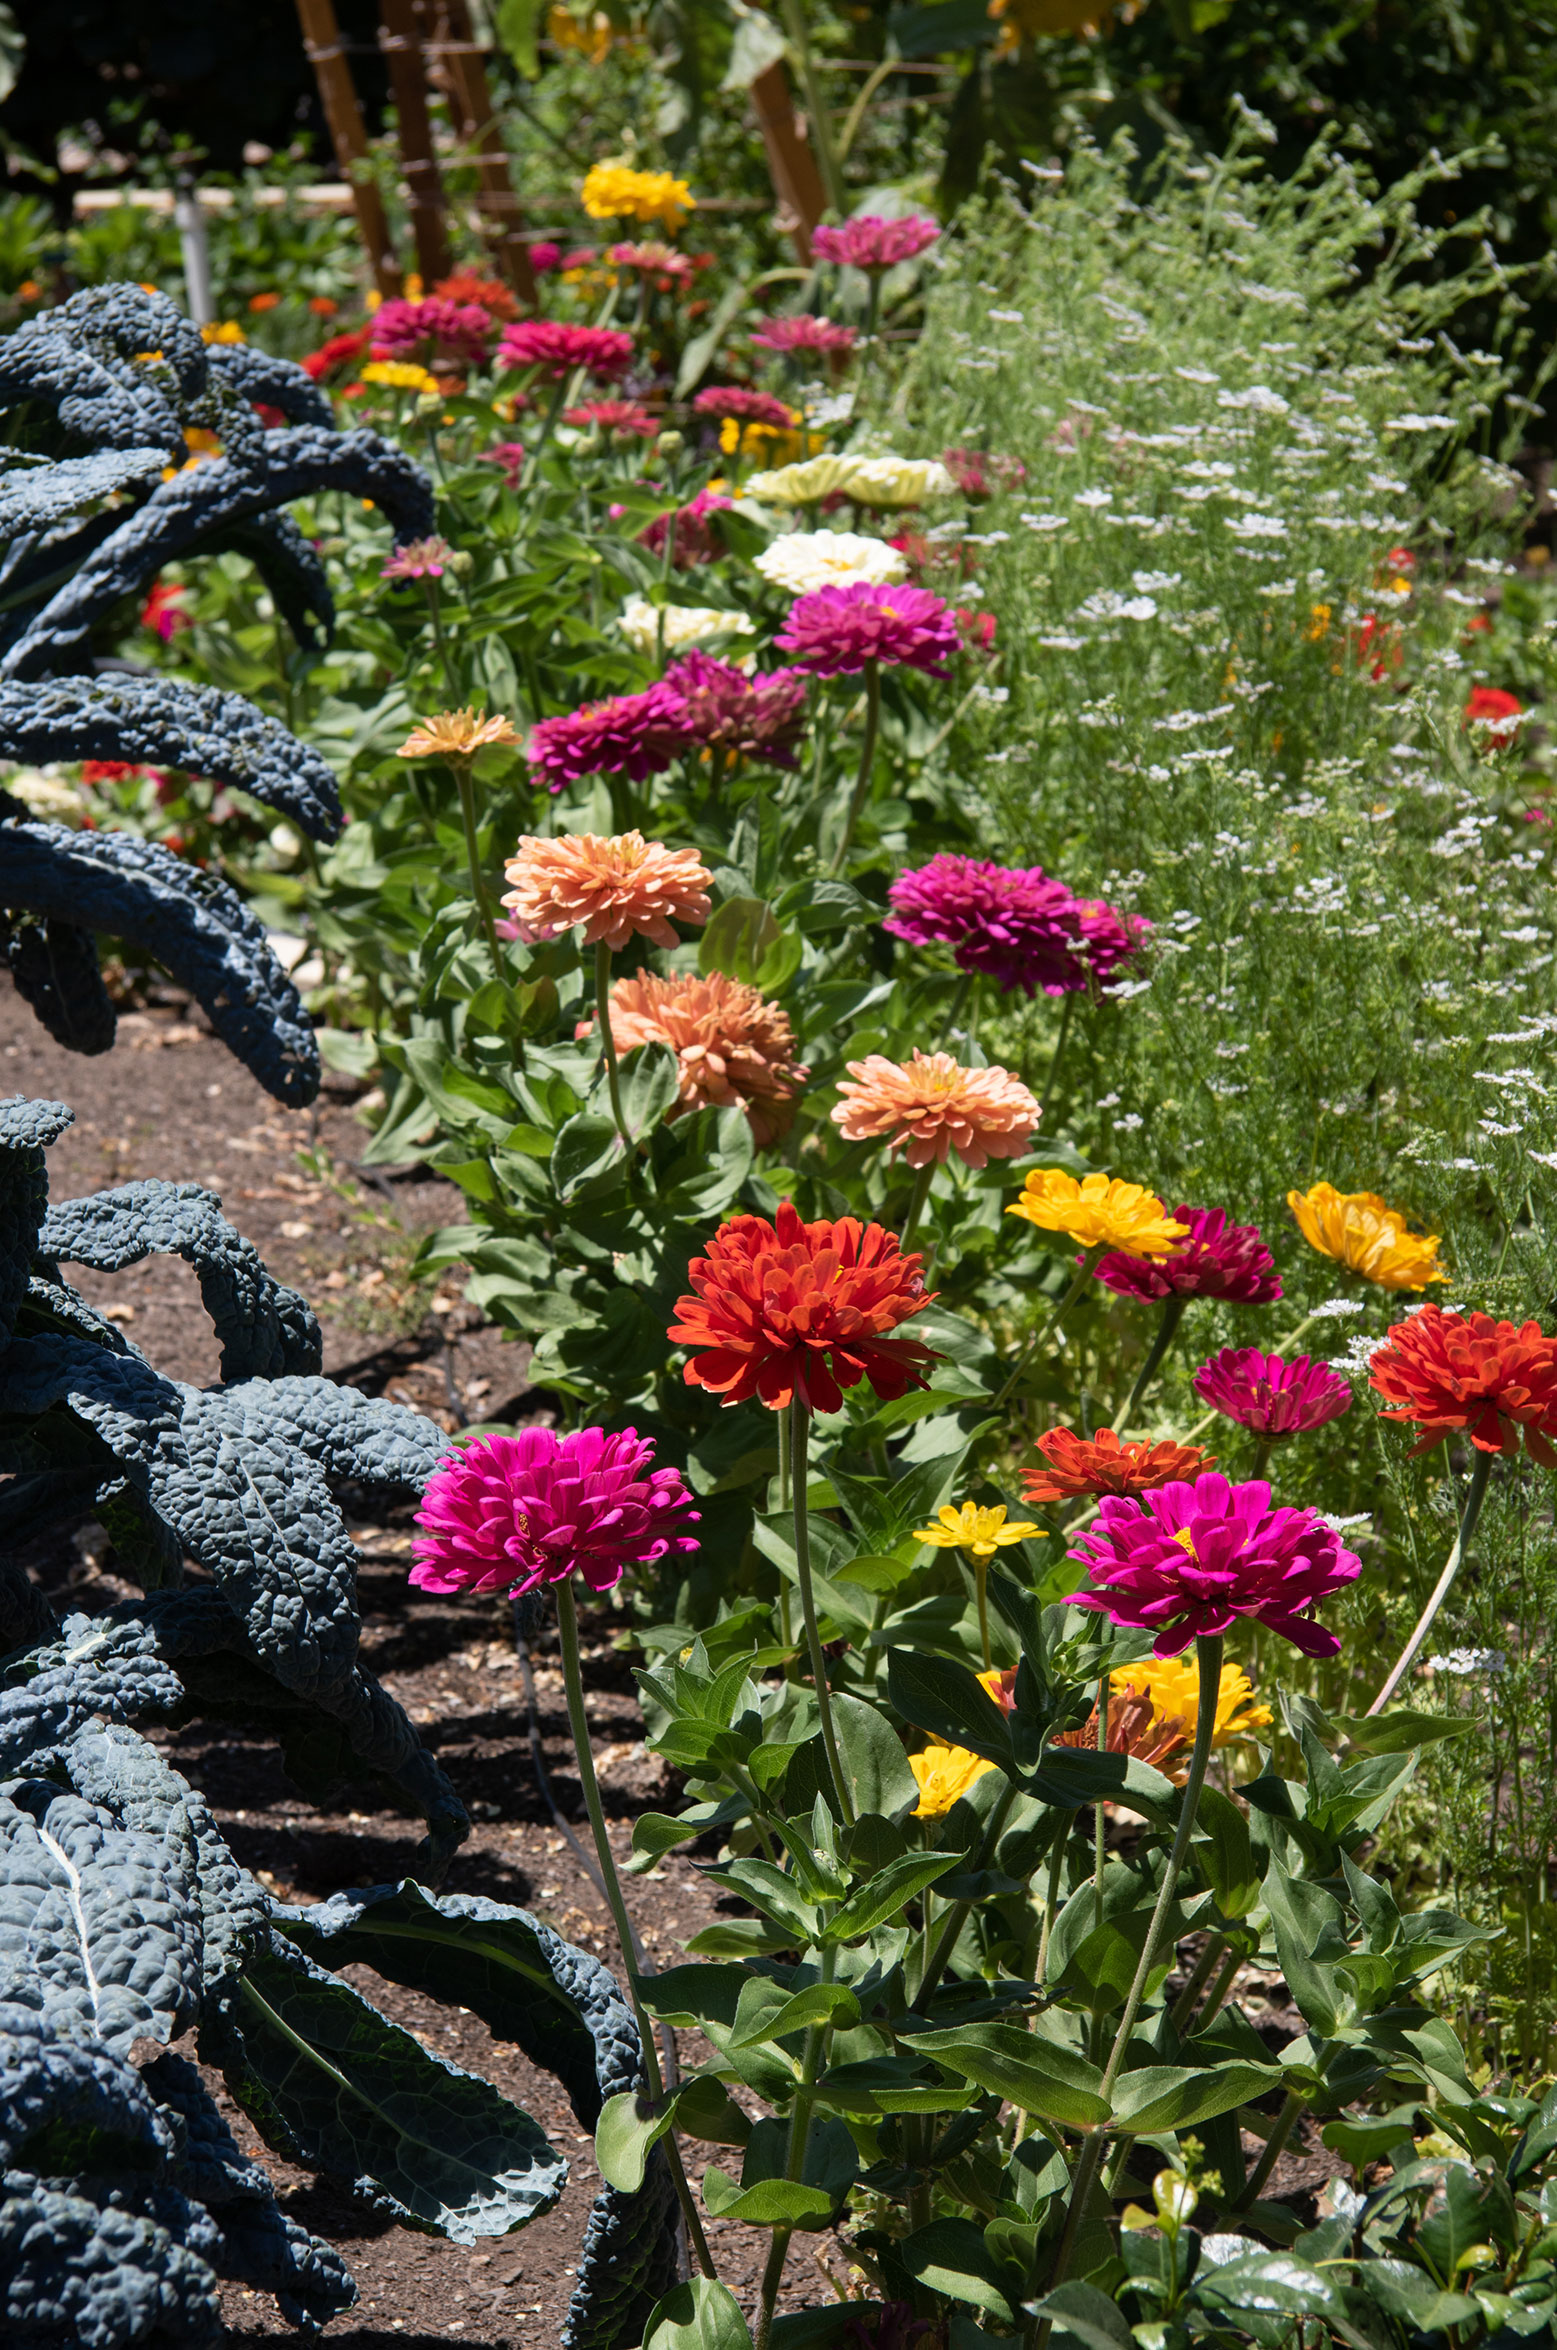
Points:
(836, 630)
(1273, 1397)
(695, 542)
(804, 333)
(731, 711)
(514, 1513)
(558, 349)
(1218, 1260)
(635, 735)
(1189, 1560)
(1013, 923)
(747, 407)
(869, 242)
(402, 330)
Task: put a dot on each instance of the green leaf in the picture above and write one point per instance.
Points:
(1401, 1730)
(1224, 1852)
(771, 2203)
(1404, 2291)
(689, 1995)
(587, 1153)
(1025, 2069)
(1308, 1926)
(1271, 2281)
(819, 2003)
(517, 23)
(629, 2125)
(946, 1700)
(1157, 2097)
(737, 939)
(1080, 2314)
(699, 2315)
(874, 1762)
(650, 1080)
(951, 2256)
(888, 2084)
(884, 1894)
(739, 1938)
(705, 2109)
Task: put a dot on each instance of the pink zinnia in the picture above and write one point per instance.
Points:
(745, 406)
(804, 333)
(1218, 1260)
(1273, 1397)
(544, 257)
(614, 416)
(1189, 1560)
(732, 711)
(508, 454)
(419, 559)
(836, 630)
(514, 1513)
(979, 474)
(635, 735)
(558, 350)
(695, 542)
(401, 329)
(869, 242)
(1014, 923)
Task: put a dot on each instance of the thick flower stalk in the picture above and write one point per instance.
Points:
(1359, 1231)
(733, 1048)
(982, 1533)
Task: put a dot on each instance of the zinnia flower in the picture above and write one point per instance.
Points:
(932, 1105)
(1013, 923)
(1101, 1464)
(896, 481)
(733, 1047)
(733, 710)
(869, 242)
(508, 454)
(613, 191)
(635, 735)
(804, 333)
(558, 349)
(746, 406)
(645, 625)
(695, 542)
(490, 292)
(1217, 1260)
(981, 1532)
(835, 631)
(1448, 1372)
(462, 329)
(945, 1773)
(419, 559)
(166, 610)
(804, 560)
(791, 1308)
(514, 1513)
(661, 262)
(1153, 1708)
(1499, 712)
(399, 375)
(624, 416)
(1100, 1211)
(979, 474)
(1273, 1397)
(618, 888)
(1190, 1560)
(1361, 1233)
(455, 734)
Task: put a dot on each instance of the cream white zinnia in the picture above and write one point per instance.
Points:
(686, 625)
(809, 559)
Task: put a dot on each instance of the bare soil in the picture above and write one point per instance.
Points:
(169, 1101)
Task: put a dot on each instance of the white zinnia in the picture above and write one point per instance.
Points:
(811, 559)
(686, 625)
(869, 481)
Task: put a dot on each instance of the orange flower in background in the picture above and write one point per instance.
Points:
(1499, 712)
(1450, 1373)
(618, 888)
(455, 734)
(1000, 1684)
(733, 1048)
(931, 1106)
(493, 296)
(263, 301)
(790, 1308)
(323, 305)
(1358, 1230)
(1101, 1464)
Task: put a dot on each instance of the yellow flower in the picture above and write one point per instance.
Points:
(870, 481)
(399, 375)
(1172, 1683)
(1361, 1233)
(203, 447)
(455, 734)
(229, 331)
(613, 191)
(1099, 1211)
(594, 35)
(1319, 616)
(736, 434)
(980, 1531)
(945, 1773)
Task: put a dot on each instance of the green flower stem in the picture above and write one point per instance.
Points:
(923, 1178)
(548, 423)
(957, 1916)
(1262, 1452)
(1184, 2005)
(464, 781)
(1083, 1276)
(954, 1010)
(1055, 1059)
(1281, 2131)
(573, 1680)
(1099, 1823)
(1209, 1659)
(607, 1039)
(1218, 1991)
(1167, 1330)
(817, 2038)
(1051, 1897)
(800, 1426)
(867, 763)
(1475, 1495)
(786, 1627)
(981, 1591)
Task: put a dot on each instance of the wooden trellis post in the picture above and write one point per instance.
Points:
(791, 164)
(464, 73)
(400, 40)
(338, 96)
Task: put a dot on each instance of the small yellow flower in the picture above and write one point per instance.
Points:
(945, 1773)
(455, 734)
(1172, 1683)
(613, 191)
(979, 1531)
(593, 33)
(228, 331)
(1319, 618)
(399, 375)
(1099, 1211)
(767, 439)
(1359, 1231)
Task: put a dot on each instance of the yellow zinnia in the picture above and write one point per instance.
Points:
(1099, 1211)
(614, 191)
(1172, 1683)
(945, 1773)
(981, 1532)
(399, 375)
(1359, 1231)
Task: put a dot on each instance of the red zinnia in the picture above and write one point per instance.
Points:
(1104, 1465)
(614, 416)
(557, 349)
(747, 407)
(1497, 711)
(791, 1308)
(1445, 1372)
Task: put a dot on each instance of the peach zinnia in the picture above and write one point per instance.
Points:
(931, 1106)
(732, 1047)
(455, 734)
(615, 888)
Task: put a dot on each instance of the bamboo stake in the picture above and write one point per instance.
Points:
(791, 164)
(401, 44)
(338, 96)
(465, 75)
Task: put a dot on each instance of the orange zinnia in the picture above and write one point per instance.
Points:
(1447, 1372)
(732, 1047)
(613, 887)
(932, 1105)
(790, 1308)
(1104, 1465)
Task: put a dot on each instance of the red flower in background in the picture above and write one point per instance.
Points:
(1377, 647)
(1497, 711)
(111, 771)
(337, 353)
(1465, 1372)
(979, 473)
(746, 406)
(490, 292)
(1101, 1464)
(626, 416)
(695, 542)
(164, 609)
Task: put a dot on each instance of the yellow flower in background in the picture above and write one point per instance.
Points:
(945, 1773)
(614, 191)
(1172, 1683)
(1319, 617)
(1359, 1231)
(739, 433)
(800, 485)
(977, 1530)
(1100, 1211)
(228, 331)
(590, 32)
(455, 734)
(399, 375)
(204, 448)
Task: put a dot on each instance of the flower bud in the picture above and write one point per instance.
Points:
(670, 443)
(462, 563)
